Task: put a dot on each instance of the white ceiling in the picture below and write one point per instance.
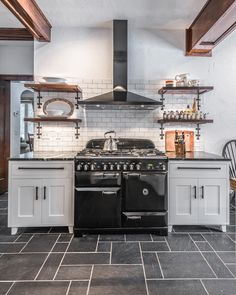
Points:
(163, 14)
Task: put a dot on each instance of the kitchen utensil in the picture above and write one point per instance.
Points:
(170, 140)
(58, 107)
(54, 80)
(110, 143)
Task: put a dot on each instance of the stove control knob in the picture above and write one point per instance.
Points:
(93, 166)
(138, 166)
(118, 167)
(104, 167)
(125, 167)
(111, 166)
(131, 167)
(79, 167)
(86, 167)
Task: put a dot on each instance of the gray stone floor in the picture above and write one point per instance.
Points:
(49, 261)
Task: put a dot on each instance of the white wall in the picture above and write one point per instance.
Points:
(86, 55)
(16, 57)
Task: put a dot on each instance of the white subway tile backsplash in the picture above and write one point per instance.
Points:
(126, 123)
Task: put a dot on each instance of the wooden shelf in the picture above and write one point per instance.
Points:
(52, 119)
(198, 90)
(38, 121)
(203, 121)
(57, 87)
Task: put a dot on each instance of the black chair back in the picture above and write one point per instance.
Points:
(229, 152)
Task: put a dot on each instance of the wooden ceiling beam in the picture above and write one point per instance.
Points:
(215, 21)
(15, 34)
(31, 16)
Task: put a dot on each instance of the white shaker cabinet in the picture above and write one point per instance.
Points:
(198, 193)
(41, 194)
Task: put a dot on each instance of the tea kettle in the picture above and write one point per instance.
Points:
(110, 143)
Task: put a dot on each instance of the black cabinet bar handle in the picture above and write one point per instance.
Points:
(44, 193)
(37, 193)
(195, 192)
(41, 168)
(202, 192)
(198, 168)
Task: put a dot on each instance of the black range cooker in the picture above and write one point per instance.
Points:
(121, 191)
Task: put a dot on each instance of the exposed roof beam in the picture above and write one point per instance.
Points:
(215, 21)
(17, 34)
(31, 16)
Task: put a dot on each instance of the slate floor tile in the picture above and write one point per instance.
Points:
(140, 237)
(112, 238)
(29, 266)
(126, 253)
(78, 288)
(151, 266)
(220, 287)
(74, 273)
(4, 287)
(220, 242)
(24, 238)
(59, 229)
(65, 238)
(178, 287)
(50, 267)
(232, 236)
(204, 246)
(118, 280)
(60, 247)
(184, 265)
(41, 243)
(157, 238)
(86, 258)
(232, 268)
(197, 237)
(181, 242)
(39, 288)
(7, 238)
(217, 265)
(154, 246)
(85, 244)
(228, 257)
(11, 248)
(232, 219)
(104, 247)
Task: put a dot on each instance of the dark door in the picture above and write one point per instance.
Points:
(146, 191)
(97, 207)
(4, 133)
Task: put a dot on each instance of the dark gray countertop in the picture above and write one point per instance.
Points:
(69, 156)
(195, 156)
(45, 156)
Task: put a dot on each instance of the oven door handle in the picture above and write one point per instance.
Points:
(133, 174)
(105, 175)
(134, 217)
(104, 190)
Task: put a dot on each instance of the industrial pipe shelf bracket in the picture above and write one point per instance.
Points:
(39, 128)
(39, 97)
(77, 134)
(162, 133)
(77, 98)
(198, 132)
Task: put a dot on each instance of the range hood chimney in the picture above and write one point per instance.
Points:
(120, 97)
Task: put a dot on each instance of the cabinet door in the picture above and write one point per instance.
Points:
(183, 201)
(25, 202)
(212, 201)
(56, 201)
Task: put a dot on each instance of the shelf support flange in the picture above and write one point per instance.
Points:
(39, 97)
(39, 128)
(77, 134)
(198, 101)
(162, 133)
(162, 101)
(198, 132)
(77, 100)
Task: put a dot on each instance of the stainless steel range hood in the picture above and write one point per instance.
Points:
(120, 97)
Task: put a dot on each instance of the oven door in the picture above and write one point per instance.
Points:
(145, 191)
(97, 207)
(97, 179)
